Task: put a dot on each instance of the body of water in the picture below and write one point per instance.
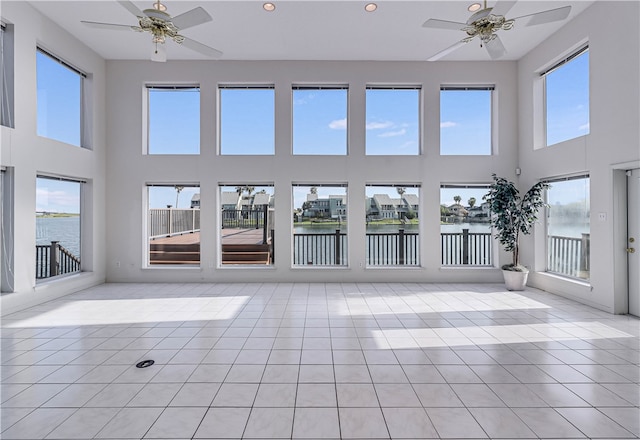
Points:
(66, 230)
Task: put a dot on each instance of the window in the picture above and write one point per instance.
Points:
(320, 225)
(465, 120)
(59, 99)
(465, 226)
(58, 223)
(174, 120)
(393, 121)
(320, 120)
(247, 120)
(247, 225)
(6, 75)
(393, 229)
(568, 231)
(174, 224)
(7, 232)
(567, 98)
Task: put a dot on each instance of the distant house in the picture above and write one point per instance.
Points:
(230, 200)
(195, 201)
(482, 211)
(332, 206)
(382, 206)
(458, 209)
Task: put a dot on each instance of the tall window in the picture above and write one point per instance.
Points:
(393, 121)
(58, 211)
(174, 120)
(567, 98)
(173, 226)
(6, 75)
(393, 229)
(7, 232)
(247, 120)
(59, 99)
(247, 224)
(568, 230)
(320, 225)
(465, 226)
(465, 120)
(320, 120)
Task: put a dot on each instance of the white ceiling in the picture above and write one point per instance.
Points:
(305, 30)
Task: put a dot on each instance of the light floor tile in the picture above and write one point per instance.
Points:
(177, 423)
(269, 423)
(276, 395)
(455, 423)
(130, 423)
(316, 423)
(223, 423)
(358, 395)
(409, 423)
(501, 423)
(593, 423)
(361, 423)
(84, 423)
(195, 394)
(38, 424)
(547, 423)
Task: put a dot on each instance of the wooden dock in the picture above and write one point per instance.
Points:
(239, 246)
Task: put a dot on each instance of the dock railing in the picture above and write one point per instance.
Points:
(466, 248)
(320, 249)
(569, 256)
(53, 260)
(393, 249)
(167, 222)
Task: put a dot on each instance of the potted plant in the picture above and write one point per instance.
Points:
(512, 216)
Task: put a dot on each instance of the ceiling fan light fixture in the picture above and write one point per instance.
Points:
(474, 7)
(370, 7)
(269, 7)
(159, 6)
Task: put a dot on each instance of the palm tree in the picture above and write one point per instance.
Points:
(457, 199)
(401, 190)
(178, 191)
(471, 202)
(313, 190)
(249, 190)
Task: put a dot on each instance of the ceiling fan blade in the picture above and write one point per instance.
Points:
(495, 48)
(434, 23)
(191, 18)
(201, 48)
(110, 26)
(447, 51)
(131, 8)
(544, 17)
(503, 7)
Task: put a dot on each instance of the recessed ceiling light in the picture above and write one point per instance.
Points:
(269, 7)
(474, 7)
(370, 7)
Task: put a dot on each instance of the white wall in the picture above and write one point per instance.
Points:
(128, 170)
(611, 29)
(30, 155)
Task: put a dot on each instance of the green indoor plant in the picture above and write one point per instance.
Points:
(511, 217)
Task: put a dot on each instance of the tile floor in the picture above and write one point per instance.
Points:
(303, 361)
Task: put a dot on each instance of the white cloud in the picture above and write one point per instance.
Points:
(448, 124)
(379, 125)
(338, 124)
(393, 133)
(584, 127)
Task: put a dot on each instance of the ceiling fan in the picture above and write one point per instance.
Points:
(162, 26)
(487, 21)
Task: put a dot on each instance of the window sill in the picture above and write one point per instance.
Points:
(468, 267)
(573, 281)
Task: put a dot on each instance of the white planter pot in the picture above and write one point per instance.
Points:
(515, 280)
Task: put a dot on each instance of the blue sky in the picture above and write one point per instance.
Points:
(57, 196)
(319, 120)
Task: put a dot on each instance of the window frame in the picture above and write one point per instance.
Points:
(148, 87)
(419, 116)
(581, 50)
(219, 133)
(491, 254)
(551, 180)
(84, 135)
(7, 75)
(81, 229)
(492, 120)
(296, 87)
